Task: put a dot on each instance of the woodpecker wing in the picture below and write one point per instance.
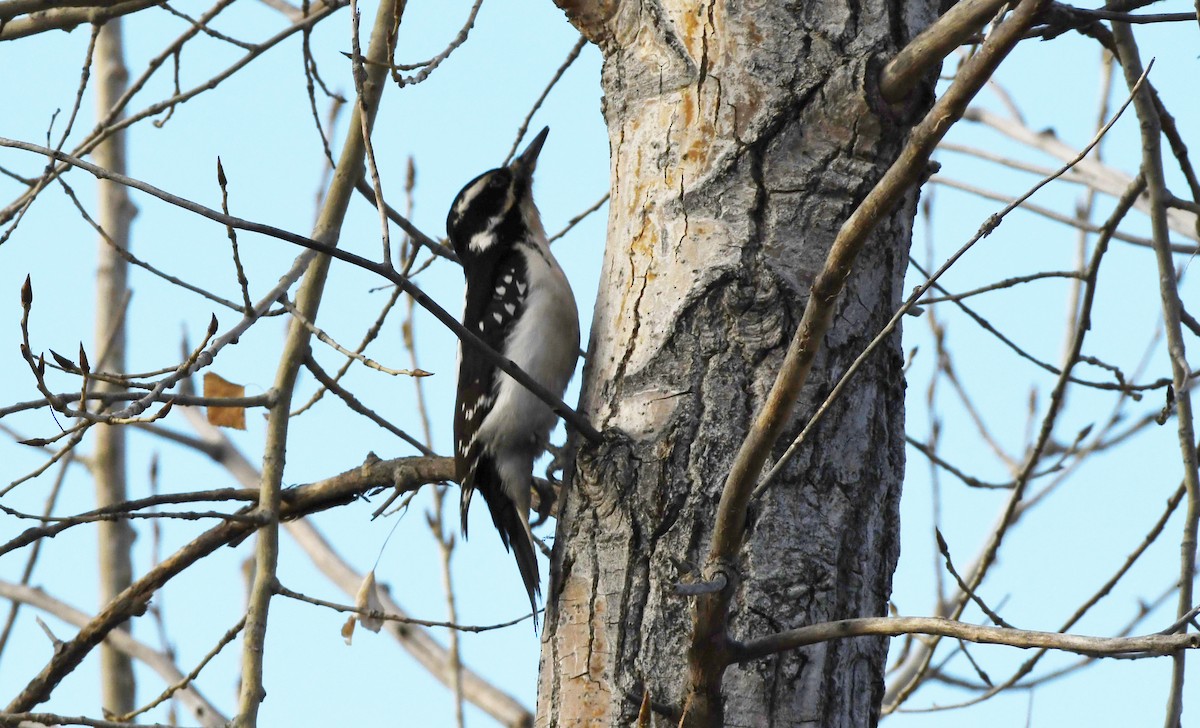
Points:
(492, 308)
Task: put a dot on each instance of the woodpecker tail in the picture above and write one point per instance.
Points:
(464, 503)
(512, 523)
(523, 551)
(517, 538)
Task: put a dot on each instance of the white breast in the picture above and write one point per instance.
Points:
(545, 344)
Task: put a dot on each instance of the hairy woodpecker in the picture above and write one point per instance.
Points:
(519, 302)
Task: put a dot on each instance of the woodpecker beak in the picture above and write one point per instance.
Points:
(524, 165)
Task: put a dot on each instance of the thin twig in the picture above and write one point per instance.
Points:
(1152, 168)
(579, 218)
(427, 67)
(32, 556)
(364, 360)
(572, 418)
(558, 74)
(1012, 506)
(354, 404)
(1000, 285)
(398, 618)
(188, 679)
(989, 225)
(371, 334)
(243, 282)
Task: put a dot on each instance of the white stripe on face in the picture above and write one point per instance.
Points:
(465, 198)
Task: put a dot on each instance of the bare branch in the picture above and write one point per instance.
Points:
(562, 68)
(354, 404)
(418, 642)
(408, 473)
(1012, 508)
(989, 225)
(368, 337)
(204, 712)
(572, 418)
(109, 125)
(295, 348)
(189, 678)
(1102, 177)
(32, 556)
(1075, 222)
(391, 617)
(1152, 168)
(68, 18)
(364, 360)
(427, 67)
(579, 218)
(1151, 645)
(37, 720)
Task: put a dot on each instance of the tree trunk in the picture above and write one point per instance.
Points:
(115, 538)
(742, 135)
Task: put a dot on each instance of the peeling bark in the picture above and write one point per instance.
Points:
(742, 135)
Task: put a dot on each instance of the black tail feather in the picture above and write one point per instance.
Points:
(523, 551)
(516, 539)
(464, 503)
(514, 534)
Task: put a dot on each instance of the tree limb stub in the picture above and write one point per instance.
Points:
(934, 43)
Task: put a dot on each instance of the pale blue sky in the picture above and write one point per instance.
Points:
(458, 123)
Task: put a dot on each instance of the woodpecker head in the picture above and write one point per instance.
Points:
(495, 210)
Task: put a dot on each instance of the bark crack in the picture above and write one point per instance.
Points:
(635, 314)
(587, 672)
(664, 159)
(683, 210)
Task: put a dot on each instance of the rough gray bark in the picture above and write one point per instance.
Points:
(115, 213)
(742, 135)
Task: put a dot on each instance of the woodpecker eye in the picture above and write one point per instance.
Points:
(478, 209)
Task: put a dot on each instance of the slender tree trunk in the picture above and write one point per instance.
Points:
(742, 135)
(114, 216)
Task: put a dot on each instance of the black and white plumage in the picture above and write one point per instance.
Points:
(519, 302)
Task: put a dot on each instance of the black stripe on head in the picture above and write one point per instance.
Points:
(478, 207)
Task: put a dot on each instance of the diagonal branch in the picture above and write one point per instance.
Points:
(572, 418)
(205, 712)
(406, 473)
(418, 642)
